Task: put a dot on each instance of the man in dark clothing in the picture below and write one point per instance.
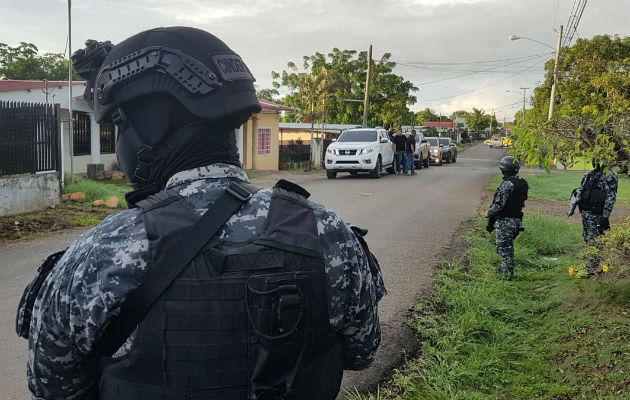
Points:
(598, 195)
(410, 152)
(216, 289)
(505, 213)
(400, 145)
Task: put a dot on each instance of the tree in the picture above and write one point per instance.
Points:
(322, 88)
(459, 114)
(477, 120)
(23, 62)
(267, 94)
(591, 114)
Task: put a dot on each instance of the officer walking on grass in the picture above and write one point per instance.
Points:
(598, 193)
(207, 287)
(505, 213)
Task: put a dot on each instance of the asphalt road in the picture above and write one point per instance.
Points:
(411, 221)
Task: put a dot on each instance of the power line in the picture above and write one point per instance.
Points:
(574, 20)
(480, 88)
(409, 63)
(492, 69)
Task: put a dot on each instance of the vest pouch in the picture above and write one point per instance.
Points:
(25, 307)
(276, 308)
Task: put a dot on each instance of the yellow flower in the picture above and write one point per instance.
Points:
(571, 271)
(605, 268)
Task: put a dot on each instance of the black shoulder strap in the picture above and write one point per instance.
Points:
(161, 275)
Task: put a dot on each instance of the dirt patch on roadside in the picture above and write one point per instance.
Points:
(559, 210)
(63, 217)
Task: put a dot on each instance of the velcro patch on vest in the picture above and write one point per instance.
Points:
(204, 322)
(232, 68)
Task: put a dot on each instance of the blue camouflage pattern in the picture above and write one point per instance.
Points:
(590, 231)
(506, 229)
(591, 221)
(87, 287)
(501, 196)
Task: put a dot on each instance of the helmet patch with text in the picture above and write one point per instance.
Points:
(232, 68)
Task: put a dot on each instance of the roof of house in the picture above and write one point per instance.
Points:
(270, 106)
(11, 85)
(317, 127)
(438, 124)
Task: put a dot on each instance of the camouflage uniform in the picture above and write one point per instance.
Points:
(591, 220)
(506, 229)
(90, 282)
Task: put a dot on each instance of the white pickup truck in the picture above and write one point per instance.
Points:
(360, 150)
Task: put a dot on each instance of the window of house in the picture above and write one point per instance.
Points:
(264, 140)
(81, 133)
(108, 138)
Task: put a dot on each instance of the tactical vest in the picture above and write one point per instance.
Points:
(593, 194)
(516, 201)
(243, 320)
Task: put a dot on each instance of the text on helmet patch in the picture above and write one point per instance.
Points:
(231, 67)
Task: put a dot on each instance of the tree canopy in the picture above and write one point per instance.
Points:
(430, 115)
(24, 62)
(592, 107)
(477, 120)
(330, 88)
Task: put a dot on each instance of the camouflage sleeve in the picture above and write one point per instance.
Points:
(500, 198)
(352, 291)
(610, 187)
(56, 367)
(79, 298)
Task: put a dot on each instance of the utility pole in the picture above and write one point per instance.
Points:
(366, 99)
(491, 121)
(552, 100)
(71, 121)
(524, 89)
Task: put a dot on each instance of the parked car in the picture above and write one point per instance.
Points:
(508, 141)
(452, 146)
(422, 156)
(439, 153)
(495, 141)
(360, 150)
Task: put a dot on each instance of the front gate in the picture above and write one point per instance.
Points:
(28, 138)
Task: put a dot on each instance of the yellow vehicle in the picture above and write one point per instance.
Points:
(508, 141)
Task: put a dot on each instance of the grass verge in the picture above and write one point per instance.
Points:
(95, 190)
(545, 335)
(557, 186)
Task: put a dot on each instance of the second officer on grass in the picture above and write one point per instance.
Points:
(505, 213)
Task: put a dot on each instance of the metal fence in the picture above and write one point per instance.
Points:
(28, 138)
(294, 155)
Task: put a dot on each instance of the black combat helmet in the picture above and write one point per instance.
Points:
(191, 65)
(509, 164)
(176, 95)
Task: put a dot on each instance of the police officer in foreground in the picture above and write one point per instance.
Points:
(505, 213)
(597, 198)
(207, 287)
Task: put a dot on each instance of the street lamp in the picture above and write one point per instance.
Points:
(555, 68)
(516, 37)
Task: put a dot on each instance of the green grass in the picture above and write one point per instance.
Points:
(545, 335)
(95, 190)
(557, 186)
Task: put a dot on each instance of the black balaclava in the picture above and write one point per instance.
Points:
(158, 138)
(507, 174)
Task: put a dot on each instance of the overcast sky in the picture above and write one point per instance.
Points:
(436, 40)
